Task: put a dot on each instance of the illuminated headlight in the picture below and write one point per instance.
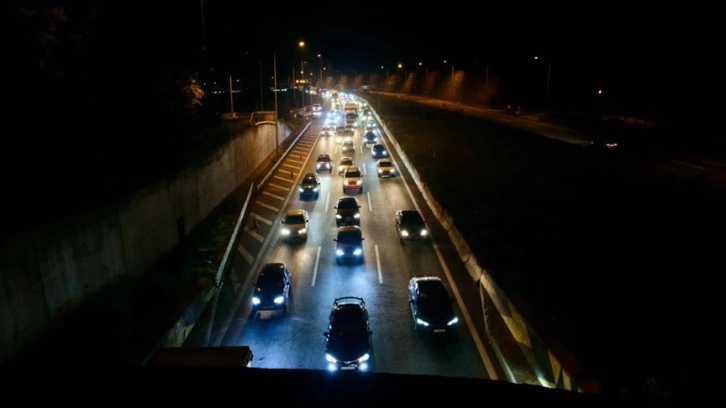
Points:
(339, 252)
(338, 216)
(255, 300)
(422, 322)
(404, 233)
(380, 170)
(285, 231)
(357, 252)
(330, 358)
(364, 357)
(302, 189)
(302, 231)
(424, 232)
(316, 189)
(359, 182)
(356, 216)
(385, 153)
(453, 321)
(279, 300)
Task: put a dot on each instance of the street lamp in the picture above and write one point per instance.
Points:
(547, 89)
(426, 78)
(301, 44)
(277, 119)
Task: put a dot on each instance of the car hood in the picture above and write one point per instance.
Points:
(348, 347)
(437, 314)
(347, 212)
(268, 292)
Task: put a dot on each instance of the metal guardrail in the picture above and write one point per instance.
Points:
(233, 240)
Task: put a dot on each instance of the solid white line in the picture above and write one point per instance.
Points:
(327, 201)
(467, 317)
(686, 164)
(378, 264)
(370, 206)
(315, 268)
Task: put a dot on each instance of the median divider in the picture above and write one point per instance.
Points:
(553, 366)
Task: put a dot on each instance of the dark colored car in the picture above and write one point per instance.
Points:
(324, 163)
(379, 151)
(348, 336)
(310, 186)
(349, 244)
(272, 289)
(431, 305)
(347, 211)
(410, 225)
(370, 137)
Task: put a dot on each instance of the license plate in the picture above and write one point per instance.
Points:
(439, 330)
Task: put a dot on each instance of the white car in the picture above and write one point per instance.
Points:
(352, 180)
(295, 225)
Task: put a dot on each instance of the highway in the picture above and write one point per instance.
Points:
(296, 340)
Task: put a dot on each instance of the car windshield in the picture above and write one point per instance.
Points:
(378, 148)
(348, 321)
(354, 173)
(346, 162)
(325, 158)
(347, 204)
(295, 219)
(270, 280)
(349, 237)
(411, 218)
(385, 164)
(432, 293)
(309, 180)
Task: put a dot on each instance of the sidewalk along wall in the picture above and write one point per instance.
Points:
(47, 272)
(552, 364)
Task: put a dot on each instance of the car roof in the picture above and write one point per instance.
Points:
(347, 198)
(273, 267)
(352, 168)
(311, 175)
(324, 156)
(424, 278)
(349, 229)
(344, 158)
(295, 212)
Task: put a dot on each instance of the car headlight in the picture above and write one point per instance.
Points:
(380, 170)
(285, 231)
(316, 189)
(364, 357)
(424, 232)
(453, 321)
(356, 216)
(279, 300)
(422, 322)
(338, 216)
(339, 252)
(404, 233)
(330, 358)
(357, 252)
(302, 231)
(301, 189)
(255, 300)
(359, 182)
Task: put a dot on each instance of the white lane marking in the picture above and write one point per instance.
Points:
(254, 234)
(268, 206)
(273, 195)
(378, 264)
(315, 268)
(370, 206)
(260, 218)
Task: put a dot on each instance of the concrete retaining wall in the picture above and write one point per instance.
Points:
(49, 271)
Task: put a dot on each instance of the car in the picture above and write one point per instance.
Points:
(309, 186)
(317, 109)
(352, 180)
(347, 211)
(295, 225)
(379, 151)
(431, 305)
(385, 168)
(324, 162)
(347, 146)
(327, 130)
(272, 288)
(411, 225)
(348, 335)
(343, 164)
(370, 137)
(349, 244)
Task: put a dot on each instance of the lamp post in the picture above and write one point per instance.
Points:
(547, 89)
(426, 78)
(277, 123)
(301, 44)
